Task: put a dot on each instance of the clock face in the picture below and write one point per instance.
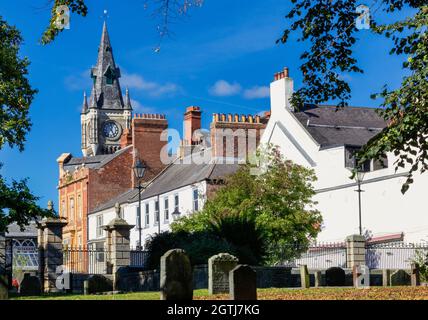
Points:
(110, 130)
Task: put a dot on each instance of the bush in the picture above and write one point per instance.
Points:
(199, 246)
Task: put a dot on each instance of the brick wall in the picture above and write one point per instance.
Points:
(236, 135)
(113, 179)
(146, 139)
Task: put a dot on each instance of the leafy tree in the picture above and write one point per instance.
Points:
(278, 201)
(329, 28)
(17, 204)
(167, 11)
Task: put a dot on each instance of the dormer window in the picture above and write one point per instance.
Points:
(109, 74)
(368, 165)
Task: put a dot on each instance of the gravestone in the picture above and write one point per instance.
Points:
(304, 277)
(30, 285)
(318, 279)
(176, 276)
(4, 283)
(219, 267)
(243, 283)
(335, 277)
(400, 278)
(386, 277)
(4, 292)
(361, 276)
(96, 284)
(415, 275)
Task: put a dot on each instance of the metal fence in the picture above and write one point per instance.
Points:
(85, 260)
(139, 258)
(319, 256)
(395, 255)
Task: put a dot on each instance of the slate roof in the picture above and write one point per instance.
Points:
(14, 231)
(175, 176)
(104, 95)
(331, 126)
(93, 162)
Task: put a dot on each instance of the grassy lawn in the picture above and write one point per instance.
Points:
(373, 293)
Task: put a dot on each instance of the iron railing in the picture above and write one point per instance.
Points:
(319, 256)
(139, 258)
(395, 255)
(85, 260)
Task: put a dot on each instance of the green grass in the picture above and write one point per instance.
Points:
(326, 293)
(120, 296)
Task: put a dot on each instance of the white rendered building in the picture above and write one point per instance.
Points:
(324, 138)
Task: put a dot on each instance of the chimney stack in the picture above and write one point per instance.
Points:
(282, 74)
(281, 90)
(192, 122)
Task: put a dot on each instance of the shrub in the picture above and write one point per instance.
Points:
(199, 246)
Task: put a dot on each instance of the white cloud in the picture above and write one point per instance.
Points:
(154, 89)
(223, 88)
(257, 92)
(138, 107)
(81, 81)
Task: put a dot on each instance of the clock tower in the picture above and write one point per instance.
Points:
(106, 115)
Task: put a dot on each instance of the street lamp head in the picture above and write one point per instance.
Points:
(359, 176)
(139, 169)
(176, 214)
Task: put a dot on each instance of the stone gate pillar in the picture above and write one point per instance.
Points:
(4, 283)
(355, 250)
(50, 252)
(118, 242)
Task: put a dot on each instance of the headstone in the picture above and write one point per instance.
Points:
(219, 267)
(96, 284)
(335, 277)
(304, 277)
(30, 285)
(386, 277)
(4, 292)
(243, 283)
(415, 276)
(176, 276)
(361, 276)
(318, 279)
(400, 278)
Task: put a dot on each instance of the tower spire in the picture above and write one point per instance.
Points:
(127, 100)
(93, 100)
(85, 103)
(106, 75)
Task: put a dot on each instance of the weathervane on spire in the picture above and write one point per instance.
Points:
(105, 14)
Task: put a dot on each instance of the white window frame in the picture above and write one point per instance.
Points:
(147, 215)
(195, 201)
(99, 223)
(176, 202)
(157, 213)
(166, 209)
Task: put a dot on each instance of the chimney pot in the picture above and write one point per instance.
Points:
(286, 72)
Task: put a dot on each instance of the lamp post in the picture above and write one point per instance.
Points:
(139, 170)
(176, 214)
(359, 176)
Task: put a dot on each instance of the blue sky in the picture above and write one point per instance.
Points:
(221, 58)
